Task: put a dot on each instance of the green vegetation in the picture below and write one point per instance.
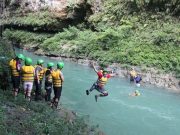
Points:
(168, 6)
(26, 37)
(42, 20)
(36, 118)
(172, 6)
(120, 45)
(124, 33)
(6, 53)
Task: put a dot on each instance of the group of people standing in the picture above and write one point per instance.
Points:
(29, 75)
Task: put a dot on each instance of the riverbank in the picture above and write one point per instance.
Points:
(18, 116)
(150, 76)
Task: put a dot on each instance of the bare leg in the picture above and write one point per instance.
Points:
(15, 92)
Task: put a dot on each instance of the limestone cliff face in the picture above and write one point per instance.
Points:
(36, 5)
(45, 15)
(51, 4)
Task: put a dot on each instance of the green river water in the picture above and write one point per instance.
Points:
(155, 112)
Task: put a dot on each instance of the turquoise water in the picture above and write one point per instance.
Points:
(155, 112)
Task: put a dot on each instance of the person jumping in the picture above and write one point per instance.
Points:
(103, 77)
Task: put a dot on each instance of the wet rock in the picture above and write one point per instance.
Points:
(39, 52)
(84, 62)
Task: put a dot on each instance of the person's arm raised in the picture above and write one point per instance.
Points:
(94, 68)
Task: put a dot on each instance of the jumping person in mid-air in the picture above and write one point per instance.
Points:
(103, 77)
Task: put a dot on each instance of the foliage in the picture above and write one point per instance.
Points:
(114, 11)
(25, 36)
(126, 32)
(6, 53)
(160, 5)
(120, 45)
(168, 6)
(37, 20)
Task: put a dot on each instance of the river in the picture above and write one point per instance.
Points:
(155, 112)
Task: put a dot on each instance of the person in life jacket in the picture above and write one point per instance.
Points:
(15, 67)
(133, 74)
(103, 77)
(28, 72)
(138, 79)
(136, 93)
(48, 81)
(39, 73)
(58, 80)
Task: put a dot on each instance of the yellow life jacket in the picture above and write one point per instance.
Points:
(13, 68)
(40, 73)
(27, 73)
(102, 81)
(57, 82)
(133, 73)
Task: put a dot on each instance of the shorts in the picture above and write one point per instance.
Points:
(98, 88)
(16, 82)
(28, 86)
(48, 85)
(57, 92)
(138, 79)
(131, 79)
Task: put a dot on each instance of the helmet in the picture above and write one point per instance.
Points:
(39, 62)
(138, 84)
(136, 91)
(60, 65)
(105, 71)
(50, 64)
(28, 61)
(20, 56)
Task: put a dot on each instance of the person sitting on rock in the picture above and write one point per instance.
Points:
(133, 74)
(137, 80)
